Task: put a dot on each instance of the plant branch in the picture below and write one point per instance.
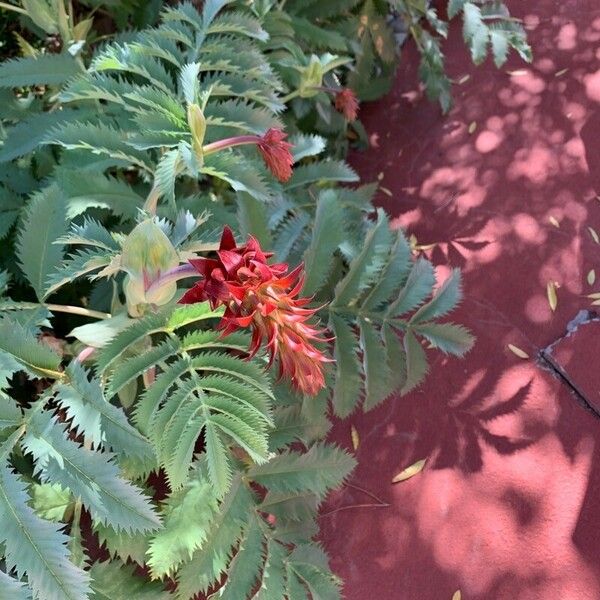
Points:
(290, 96)
(78, 310)
(12, 7)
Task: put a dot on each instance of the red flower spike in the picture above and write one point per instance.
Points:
(346, 102)
(264, 298)
(277, 156)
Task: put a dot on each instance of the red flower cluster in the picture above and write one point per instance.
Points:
(276, 153)
(346, 102)
(263, 297)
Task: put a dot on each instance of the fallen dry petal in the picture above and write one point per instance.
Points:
(551, 293)
(410, 471)
(516, 350)
(591, 277)
(355, 437)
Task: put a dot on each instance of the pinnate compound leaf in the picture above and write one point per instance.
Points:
(91, 413)
(35, 547)
(91, 476)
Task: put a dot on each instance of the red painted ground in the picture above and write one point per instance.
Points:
(508, 506)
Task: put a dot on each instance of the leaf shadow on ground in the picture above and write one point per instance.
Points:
(507, 504)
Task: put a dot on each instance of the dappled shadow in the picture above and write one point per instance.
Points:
(505, 186)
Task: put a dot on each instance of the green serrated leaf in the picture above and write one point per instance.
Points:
(91, 476)
(35, 547)
(416, 362)
(51, 69)
(114, 581)
(447, 337)
(327, 234)
(366, 267)
(28, 134)
(12, 589)
(318, 470)
(377, 371)
(51, 502)
(320, 171)
(443, 301)
(348, 384)
(43, 224)
(181, 535)
(31, 356)
(417, 288)
(211, 559)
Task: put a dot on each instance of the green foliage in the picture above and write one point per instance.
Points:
(370, 313)
(35, 547)
(91, 476)
(187, 457)
(51, 69)
(20, 351)
(487, 25)
(43, 224)
(319, 470)
(179, 539)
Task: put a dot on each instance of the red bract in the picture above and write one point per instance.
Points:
(346, 102)
(276, 153)
(265, 298)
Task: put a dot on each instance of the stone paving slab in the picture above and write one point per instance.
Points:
(574, 358)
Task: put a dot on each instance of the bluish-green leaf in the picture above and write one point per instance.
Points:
(51, 69)
(44, 222)
(35, 547)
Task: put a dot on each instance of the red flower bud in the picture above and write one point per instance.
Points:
(276, 153)
(346, 102)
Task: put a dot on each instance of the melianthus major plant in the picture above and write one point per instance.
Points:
(155, 428)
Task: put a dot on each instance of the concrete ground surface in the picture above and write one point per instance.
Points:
(508, 505)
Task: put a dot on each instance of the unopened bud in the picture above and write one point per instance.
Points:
(197, 125)
(311, 78)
